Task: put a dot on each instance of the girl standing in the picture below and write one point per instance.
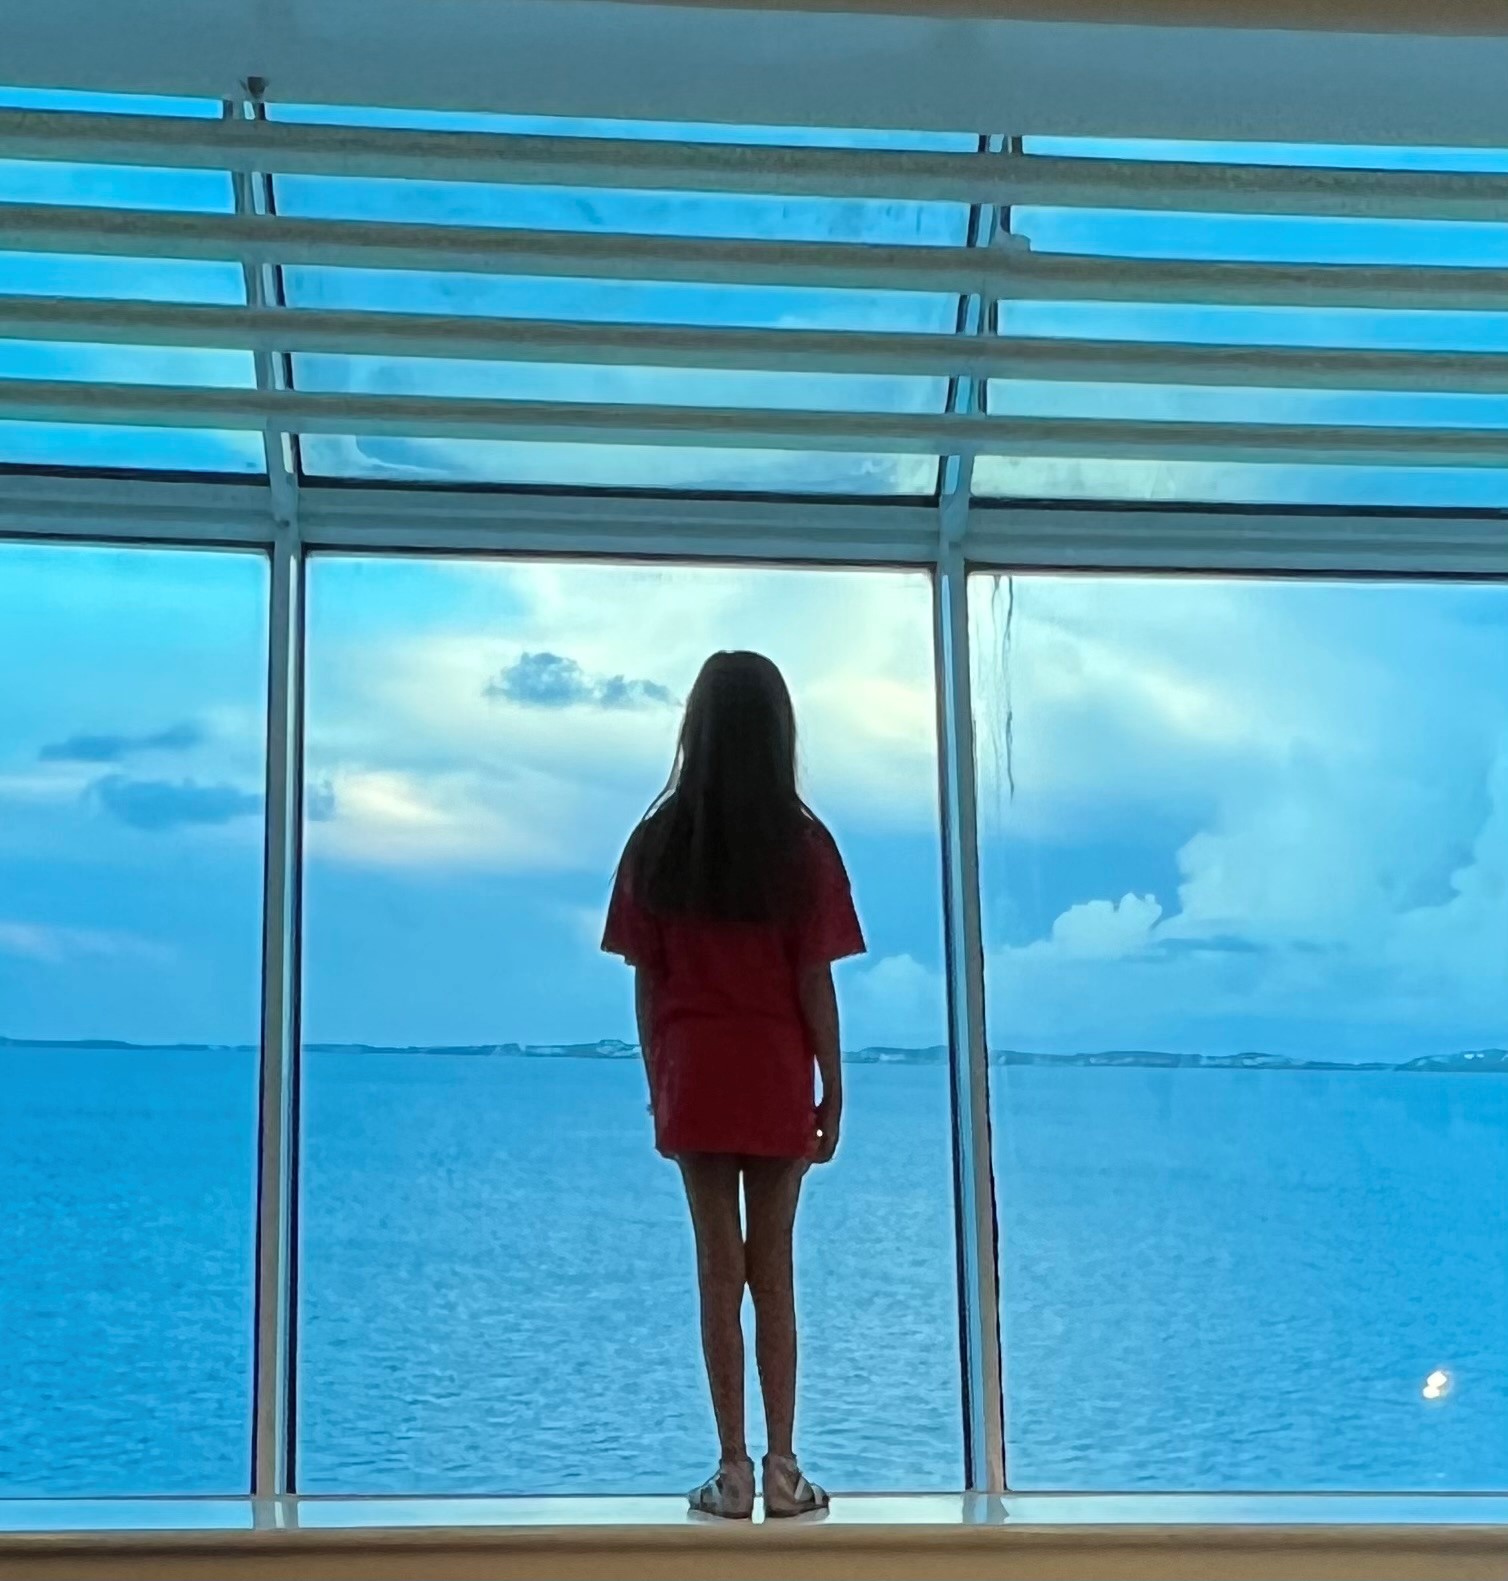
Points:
(731, 903)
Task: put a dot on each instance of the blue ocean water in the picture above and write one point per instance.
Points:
(1211, 1279)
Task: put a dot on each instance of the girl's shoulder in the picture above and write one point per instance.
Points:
(821, 847)
(815, 831)
(644, 829)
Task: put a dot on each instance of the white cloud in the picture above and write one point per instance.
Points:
(894, 1001)
(1313, 767)
(1326, 767)
(1460, 942)
(54, 946)
(1104, 929)
(426, 765)
(452, 818)
(1134, 696)
(1299, 920)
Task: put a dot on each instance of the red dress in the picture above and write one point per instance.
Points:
(734, 1070)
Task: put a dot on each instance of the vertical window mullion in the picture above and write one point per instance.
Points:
(276, 1184)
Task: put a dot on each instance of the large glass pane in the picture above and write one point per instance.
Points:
(1246, 897)
(94, 446)
(633, 302)
(495, 1279)
(1235, 238)
(131, 767)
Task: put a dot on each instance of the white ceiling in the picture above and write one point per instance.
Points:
(767, 67)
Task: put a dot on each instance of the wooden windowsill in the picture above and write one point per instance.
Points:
(1380, 1538)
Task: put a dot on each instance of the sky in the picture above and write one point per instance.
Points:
(1245, 813)
(1226, 814)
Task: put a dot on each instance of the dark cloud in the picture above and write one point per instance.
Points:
(549, 680)
(112, 749)
(156, 805)
(617, 691)
(1214, 944)
(542, 680)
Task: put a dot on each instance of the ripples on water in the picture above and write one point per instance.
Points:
(1211, 1279)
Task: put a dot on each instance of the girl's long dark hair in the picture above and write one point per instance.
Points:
(727, 838)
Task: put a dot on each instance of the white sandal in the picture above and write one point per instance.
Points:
(787, 1493)
(728, 1494)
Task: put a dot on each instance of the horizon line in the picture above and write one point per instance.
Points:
(1122, 1056)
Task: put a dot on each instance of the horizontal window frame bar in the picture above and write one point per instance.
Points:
(1083, 277)
(165, 512)
(400, 519)
(1004, 536)
(376, 333)
(1010, 271)
(1220, 187)
(487, 250)
(466, 417)
(903, 546)
(1257, 367)
(890, 433)
(476, 338)
(1001, 535)
(764, 169)
(320, 148)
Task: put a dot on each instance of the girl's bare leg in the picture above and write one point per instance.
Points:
(712, 1193)
(772, 1188)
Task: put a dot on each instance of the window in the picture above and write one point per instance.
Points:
(95, 447)
(1244, 853)
(624, 302)
(495, 1284)
(131, 784)
(1257, 833)
(1311, 399)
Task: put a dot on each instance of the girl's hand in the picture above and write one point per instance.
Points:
(829, 1121)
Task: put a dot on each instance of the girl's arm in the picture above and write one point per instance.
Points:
(644, 1014)
(819, 1010)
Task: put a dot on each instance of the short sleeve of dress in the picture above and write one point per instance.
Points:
(630, 930)
(830, 931)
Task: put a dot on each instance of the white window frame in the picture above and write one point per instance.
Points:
(289, 521)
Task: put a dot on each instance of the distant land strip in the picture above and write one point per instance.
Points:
(1473, 1061)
